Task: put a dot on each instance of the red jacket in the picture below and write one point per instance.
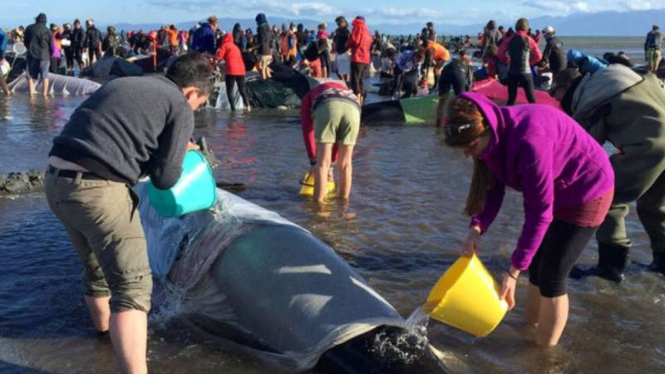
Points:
(534, 57)
(230, 53)
(306, 118)
(360, 42)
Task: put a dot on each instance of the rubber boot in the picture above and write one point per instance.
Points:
(658, 264)
(612, 259)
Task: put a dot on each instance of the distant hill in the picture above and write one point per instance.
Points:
(632, 23)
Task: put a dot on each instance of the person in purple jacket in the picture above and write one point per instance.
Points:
(567, 185)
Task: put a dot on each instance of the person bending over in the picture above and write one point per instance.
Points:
(567, 184)
(330, 115)
(129, 128)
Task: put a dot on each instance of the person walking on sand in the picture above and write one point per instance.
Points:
(330, 115)
(567, 184)
(129, 128)
(39, 42)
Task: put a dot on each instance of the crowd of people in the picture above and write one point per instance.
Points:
(554, 157)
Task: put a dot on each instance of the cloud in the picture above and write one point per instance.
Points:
(285, 8)
(558, 7)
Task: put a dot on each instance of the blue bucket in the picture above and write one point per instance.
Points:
(195, 190)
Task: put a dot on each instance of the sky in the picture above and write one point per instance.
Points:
(460, 12)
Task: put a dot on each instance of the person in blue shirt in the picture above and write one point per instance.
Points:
(586, 64)
(204, 38)
(406, 72)
(3, 48)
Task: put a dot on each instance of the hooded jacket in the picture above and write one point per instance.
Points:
(543, 153)
(360, 42)
(586, 63)
(3, 44)
(204, 39)
(265, 35)
(39, 41)
(620, 106)
(231, 54)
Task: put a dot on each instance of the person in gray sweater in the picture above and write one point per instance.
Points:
(130, 128)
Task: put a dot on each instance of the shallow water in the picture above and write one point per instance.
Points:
(401, 230)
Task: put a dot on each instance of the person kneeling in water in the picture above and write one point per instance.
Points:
(567, 185)
(330, 115)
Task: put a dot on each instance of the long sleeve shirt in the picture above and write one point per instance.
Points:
(546, 155)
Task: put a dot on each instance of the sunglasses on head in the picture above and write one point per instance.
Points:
(456, 130)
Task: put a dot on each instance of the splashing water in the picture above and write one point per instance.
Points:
(407, 345)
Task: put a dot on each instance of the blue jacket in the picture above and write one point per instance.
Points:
(204, 39)
(586, 63)
(3, 43)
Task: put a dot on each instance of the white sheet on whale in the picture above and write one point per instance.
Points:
(300, 301)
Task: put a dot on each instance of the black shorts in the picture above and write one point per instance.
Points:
(358, 72)
(562, 246)
(452, 79)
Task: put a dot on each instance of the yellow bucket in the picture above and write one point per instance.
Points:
(467, 297)
(307, 188)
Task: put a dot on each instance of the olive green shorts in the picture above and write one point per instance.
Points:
(103, 223)
(653, 58)
(336, 121)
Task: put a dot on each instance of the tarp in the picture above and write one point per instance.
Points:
(287, 294)
(59, 85)
(498, 92)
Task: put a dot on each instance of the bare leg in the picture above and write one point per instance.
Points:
(45, 87)
(323, 156)
(3, 86)
(345, 170)
(100, 312)
(532, 305)
(129, 334)
(552, 320)
(31, 86)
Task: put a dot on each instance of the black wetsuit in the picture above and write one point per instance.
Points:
(555, 55)
(519, 73)
(455, 75)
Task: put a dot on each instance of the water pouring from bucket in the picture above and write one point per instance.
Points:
(467, 297)
(195, 190)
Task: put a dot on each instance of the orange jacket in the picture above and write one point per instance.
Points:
(440, 52)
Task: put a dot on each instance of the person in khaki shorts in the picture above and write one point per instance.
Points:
(330, 115)
(264, 46)
(131, 127)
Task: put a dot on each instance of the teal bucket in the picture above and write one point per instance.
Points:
(195, 190)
